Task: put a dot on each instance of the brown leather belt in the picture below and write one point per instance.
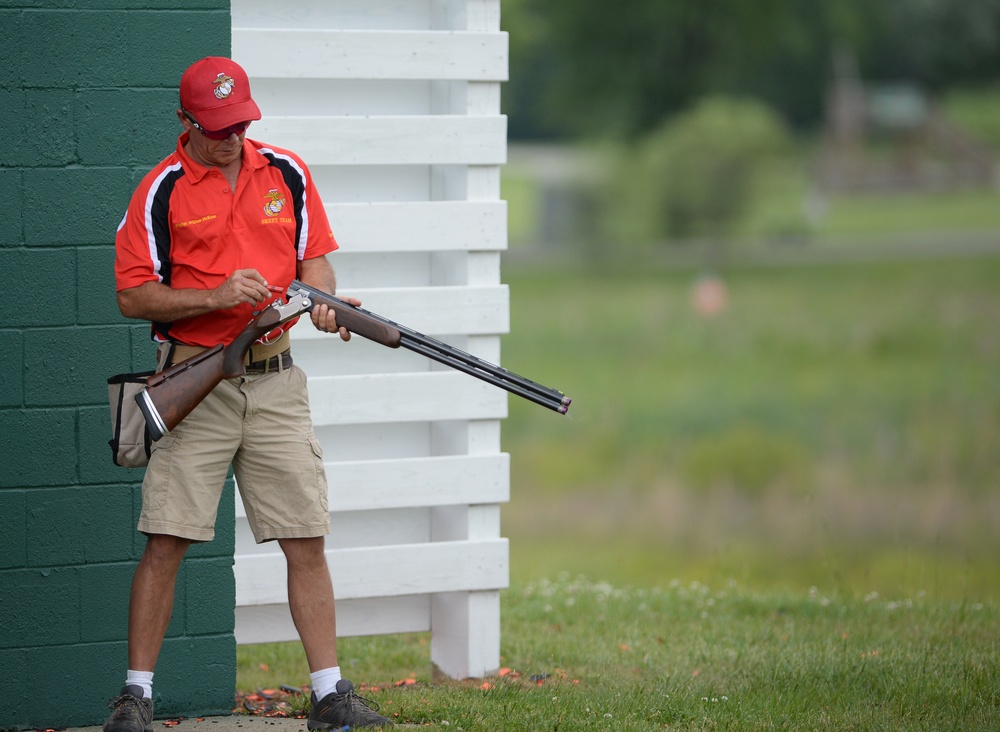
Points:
(275, 356)
(276, 363)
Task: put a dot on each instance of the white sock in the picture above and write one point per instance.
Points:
(324, 681)
(143, 679)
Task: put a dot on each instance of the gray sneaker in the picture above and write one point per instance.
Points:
(131, 712)
(344, 708)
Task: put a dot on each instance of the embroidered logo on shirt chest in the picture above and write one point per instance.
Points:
(275, 202)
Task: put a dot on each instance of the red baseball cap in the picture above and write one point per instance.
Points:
(216, 91)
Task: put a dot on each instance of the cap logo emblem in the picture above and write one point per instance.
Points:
(223, 86)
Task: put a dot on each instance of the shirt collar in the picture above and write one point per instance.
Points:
(251, 158)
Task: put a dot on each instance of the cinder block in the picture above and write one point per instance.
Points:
(95, 284)
(147, 120)
(142, 347)
(12, 40)
(45, 453)
(104, 598)
(14, 687)
(196, 676)
(13, 125)
(91, 204)
(176, 38)
(48, 120)
(89, 51)
(11, 231)
(211, 596)
(39, 607)
(87, 676)
(64, 366)
(77, 525)
(11, 368)
(12, 528)
(35, 270)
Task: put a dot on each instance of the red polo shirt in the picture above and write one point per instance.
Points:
(186, 229)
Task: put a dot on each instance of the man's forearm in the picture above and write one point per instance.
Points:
(159, 303)
(318, 272)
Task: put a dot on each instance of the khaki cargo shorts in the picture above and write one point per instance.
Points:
(260, 424)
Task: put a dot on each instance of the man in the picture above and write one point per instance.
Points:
(218, 228)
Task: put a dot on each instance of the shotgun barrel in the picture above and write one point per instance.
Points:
(439, 351)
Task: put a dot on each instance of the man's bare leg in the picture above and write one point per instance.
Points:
(152, 600)
(310, 598)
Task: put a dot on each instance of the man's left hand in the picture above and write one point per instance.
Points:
(325, 318)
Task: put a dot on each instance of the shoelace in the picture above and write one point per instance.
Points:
(120, 700)
(353, 696)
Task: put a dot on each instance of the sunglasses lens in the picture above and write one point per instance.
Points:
(239, 128)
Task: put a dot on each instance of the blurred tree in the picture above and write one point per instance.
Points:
(588, 67)
(694, 175)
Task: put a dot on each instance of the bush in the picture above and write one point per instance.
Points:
(694, 176)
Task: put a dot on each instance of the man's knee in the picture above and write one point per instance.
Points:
(310, 551)
(165, 549)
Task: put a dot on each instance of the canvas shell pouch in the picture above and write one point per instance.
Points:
(130, 440)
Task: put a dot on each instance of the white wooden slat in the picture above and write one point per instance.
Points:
(433, 310)
(420, 226)
(432, 481)
(273, 623)
(411, 397)
(385, 571)
(386, 14)
(359, 485)
(400, 140)
(362, 54)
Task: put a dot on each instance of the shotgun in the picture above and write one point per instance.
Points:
(169, 396)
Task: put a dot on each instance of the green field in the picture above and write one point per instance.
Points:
(783, 516)
(837, 424)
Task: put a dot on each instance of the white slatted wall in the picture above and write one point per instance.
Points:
(395, 106)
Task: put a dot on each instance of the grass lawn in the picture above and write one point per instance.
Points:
(586, 655)
(783, 516)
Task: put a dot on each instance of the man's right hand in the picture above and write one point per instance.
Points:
(243, 285)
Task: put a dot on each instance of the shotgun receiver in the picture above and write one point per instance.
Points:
(169, 396)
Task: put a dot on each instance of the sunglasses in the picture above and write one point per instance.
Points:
(238, 129)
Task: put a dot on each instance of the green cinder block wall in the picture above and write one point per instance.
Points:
(88, 90)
